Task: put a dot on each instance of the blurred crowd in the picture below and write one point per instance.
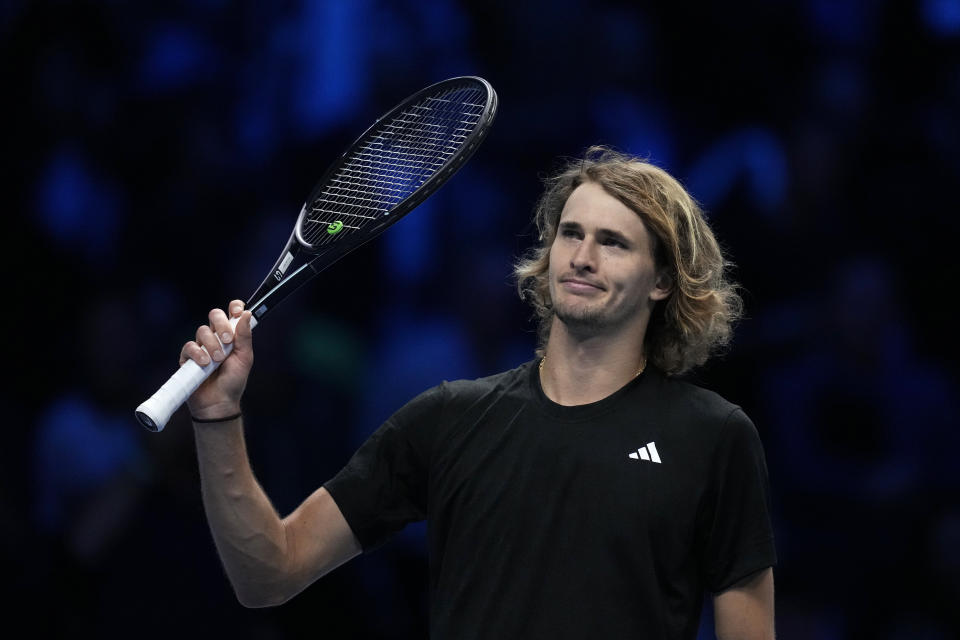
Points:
(160, 152)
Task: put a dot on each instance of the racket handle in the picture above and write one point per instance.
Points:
(155, 412)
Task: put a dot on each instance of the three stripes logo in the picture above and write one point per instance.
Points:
(647, 452)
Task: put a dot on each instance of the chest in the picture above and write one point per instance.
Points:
(615, 479)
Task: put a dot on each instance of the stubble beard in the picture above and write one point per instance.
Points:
(581, 318)
(587, 319)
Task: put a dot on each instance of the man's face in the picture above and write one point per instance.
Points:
(602, 271)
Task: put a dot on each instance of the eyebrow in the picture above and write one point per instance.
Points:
(603, 233)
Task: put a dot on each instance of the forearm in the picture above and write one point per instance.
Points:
(249, 534)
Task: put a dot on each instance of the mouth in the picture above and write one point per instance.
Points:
(579, 285)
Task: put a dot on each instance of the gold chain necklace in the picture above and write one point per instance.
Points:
(643, 365)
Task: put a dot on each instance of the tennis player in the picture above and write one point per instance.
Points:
(589, 492)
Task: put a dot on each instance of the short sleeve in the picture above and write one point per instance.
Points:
(738, 534)
(384, 485)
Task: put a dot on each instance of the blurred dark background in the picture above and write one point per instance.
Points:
(157, 154)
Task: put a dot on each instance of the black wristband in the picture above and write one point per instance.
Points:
(226, 419)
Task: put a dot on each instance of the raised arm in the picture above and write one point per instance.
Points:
(267, 559)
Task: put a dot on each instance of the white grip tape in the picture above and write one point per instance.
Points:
(155, 412)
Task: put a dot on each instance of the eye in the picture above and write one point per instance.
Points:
(613, 242)
(567, 232)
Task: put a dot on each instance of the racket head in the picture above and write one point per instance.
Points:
(405, 156)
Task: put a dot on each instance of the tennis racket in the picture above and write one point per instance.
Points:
(391, 168)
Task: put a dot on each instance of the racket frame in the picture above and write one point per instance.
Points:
(279, 284)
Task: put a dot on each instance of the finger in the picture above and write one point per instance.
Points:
(236, 308)
(192, 351)
(209, 341)
(221, 325)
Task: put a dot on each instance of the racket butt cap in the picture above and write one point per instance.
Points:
(148, 422)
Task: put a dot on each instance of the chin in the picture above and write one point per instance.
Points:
(579, 318)
(582, 317)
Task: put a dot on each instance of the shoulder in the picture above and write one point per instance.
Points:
(702, 417)
(728, 437)
(510, 381)
(697, 402)
(457, 396)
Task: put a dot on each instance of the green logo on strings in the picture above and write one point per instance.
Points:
(334, 228)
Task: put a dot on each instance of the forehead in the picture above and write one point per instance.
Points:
(592, 207)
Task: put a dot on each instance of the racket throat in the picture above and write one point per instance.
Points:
(261, 302)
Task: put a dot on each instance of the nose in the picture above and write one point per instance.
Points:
(584, 256)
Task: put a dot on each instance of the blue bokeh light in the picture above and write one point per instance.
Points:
(175, 57)
(332, 65)
(753, 156)
(77, 208)
(942, 17)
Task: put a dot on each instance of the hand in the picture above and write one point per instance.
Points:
(220, 394)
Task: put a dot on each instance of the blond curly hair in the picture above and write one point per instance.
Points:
(696, 320)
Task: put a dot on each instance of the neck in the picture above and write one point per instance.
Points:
(584, 369)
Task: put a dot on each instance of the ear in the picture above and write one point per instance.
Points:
(663, 286)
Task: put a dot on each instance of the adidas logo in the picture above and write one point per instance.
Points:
(647, 452)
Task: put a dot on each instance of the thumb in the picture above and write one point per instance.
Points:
(243, 336)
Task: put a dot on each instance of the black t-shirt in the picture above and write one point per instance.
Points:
(605, 520)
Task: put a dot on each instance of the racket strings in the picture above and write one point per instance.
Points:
(405, 152)
(392, 162)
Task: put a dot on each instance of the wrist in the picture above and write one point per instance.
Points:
(230, 418)
(216, 413)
